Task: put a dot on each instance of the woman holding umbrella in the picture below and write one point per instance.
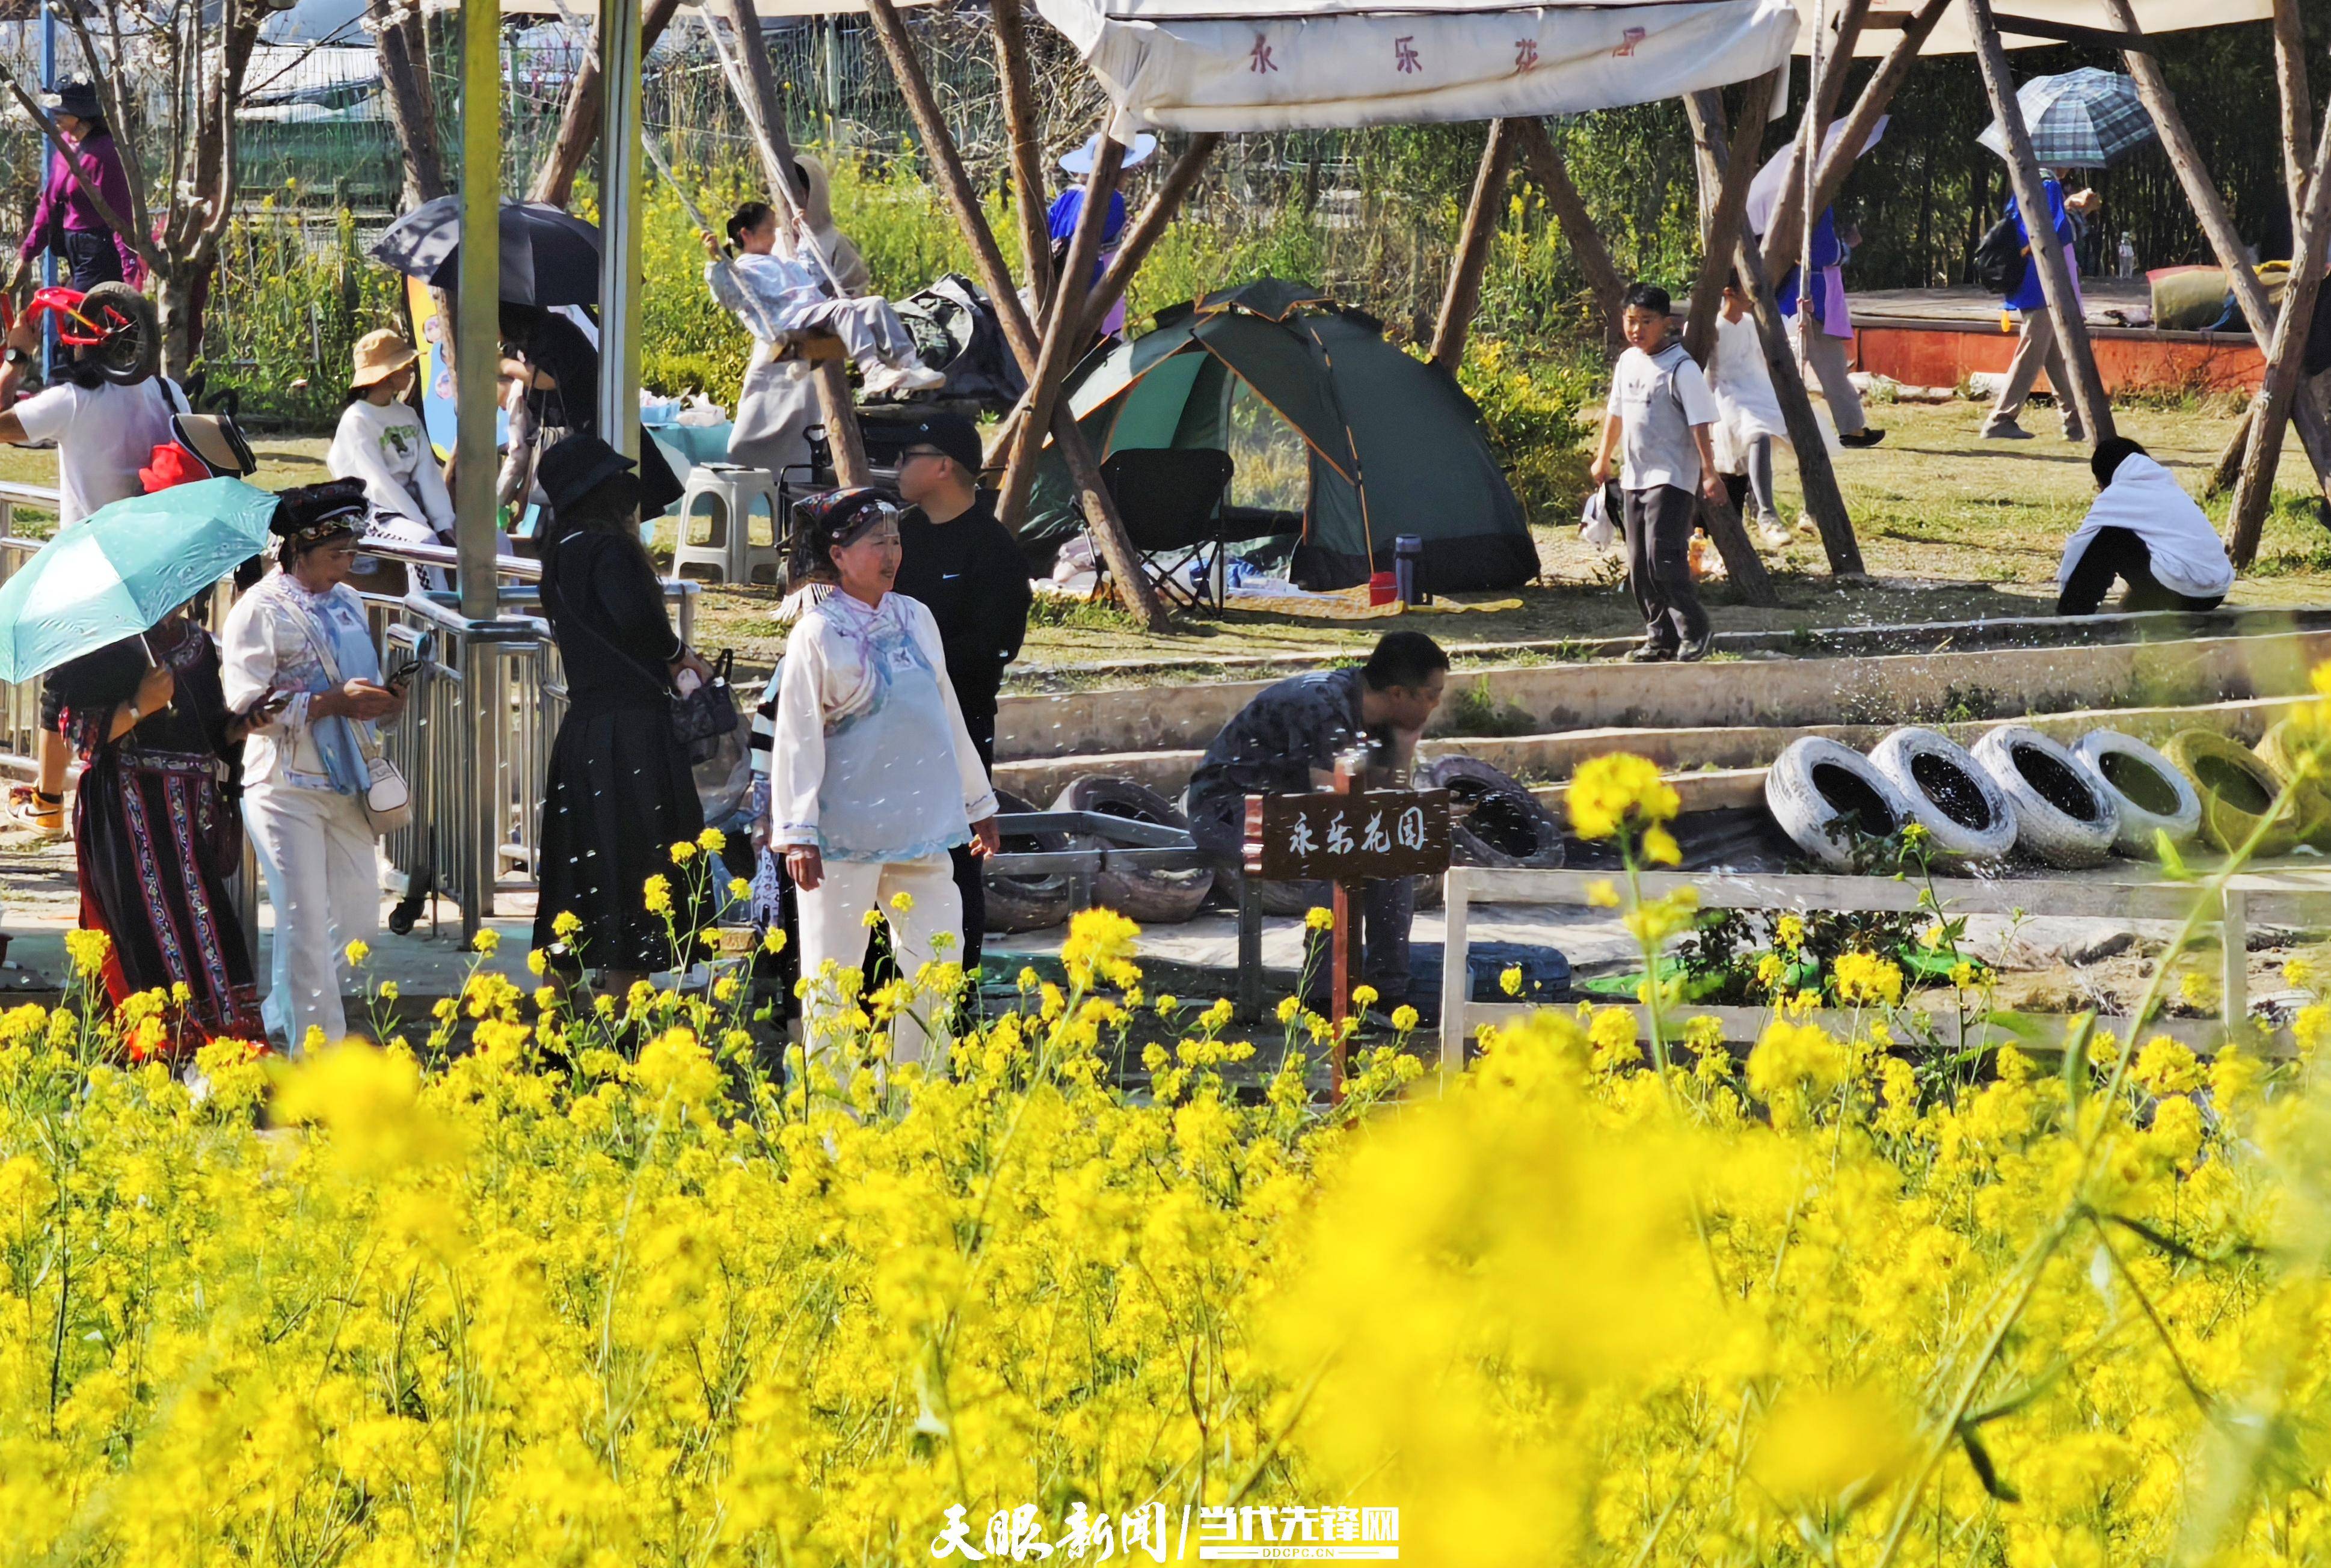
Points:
(155, 835)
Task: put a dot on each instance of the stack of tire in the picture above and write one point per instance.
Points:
(2016, 791)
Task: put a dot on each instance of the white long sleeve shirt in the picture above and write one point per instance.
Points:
(769, 294)
(388, 449)
(2146, 499)
(833, 678)
(266, 647)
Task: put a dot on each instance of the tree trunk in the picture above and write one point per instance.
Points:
(1551, 175)
(404, 56)
(1020, 122)
(1483, 214)
(2297, 105)
(578, 122)
(2088, 388)
(1724, 178)
(2254, 489)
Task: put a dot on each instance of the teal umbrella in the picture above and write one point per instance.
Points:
(120, 569)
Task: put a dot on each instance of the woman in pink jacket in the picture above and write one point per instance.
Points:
(67, 222)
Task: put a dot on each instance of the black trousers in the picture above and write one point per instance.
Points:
(91, 259)
(2122, 553)
(1658, 565)
(1387, 908)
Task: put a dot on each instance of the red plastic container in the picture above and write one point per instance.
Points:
(1382, 589)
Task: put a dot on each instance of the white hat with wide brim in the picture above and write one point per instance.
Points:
(1081, 161)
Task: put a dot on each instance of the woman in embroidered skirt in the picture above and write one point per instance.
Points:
(155, 835)
(873, 778)
(299, 659)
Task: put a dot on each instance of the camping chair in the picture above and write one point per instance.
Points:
(1171, 499)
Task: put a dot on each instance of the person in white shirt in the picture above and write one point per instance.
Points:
(381, 441)
(2145, 530)
(104, 433)
(1748, 417)
(1659, 414)
(299, 659)
(774, 295)
(874, 775)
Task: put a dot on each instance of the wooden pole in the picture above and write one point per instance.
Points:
(1825, 501)
(411, 114)
(946, 162)
(1027, 148)
(2088, 388)
(1789, 213)
(579, 121)
(1727, 178)
(1148, 228)
(1547, 171)
(1782, 247)
(2298, 102)
(1064, 343)
(2254, 488)
(1483, 213)
(764, 113)
(620, 47)
(2218, 225)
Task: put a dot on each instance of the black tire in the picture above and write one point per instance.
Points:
(132, 351)
(1493, 821)
(1152, 896)
(1026, 903)
(1822, 794)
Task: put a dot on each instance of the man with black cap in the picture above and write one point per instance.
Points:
(965, 568)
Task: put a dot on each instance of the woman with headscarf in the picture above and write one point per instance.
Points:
(621, 793)
(66, 221)
(155, 836)
(300, 661)
(874, 775)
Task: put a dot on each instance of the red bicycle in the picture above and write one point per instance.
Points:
(113, 324)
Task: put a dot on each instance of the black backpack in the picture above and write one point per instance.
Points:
(956, 332)
(2000, 259)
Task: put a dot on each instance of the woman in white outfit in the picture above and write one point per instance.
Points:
(1748, 417)
(300, 637)
(773, 295)
(381, 441)
(873, 778)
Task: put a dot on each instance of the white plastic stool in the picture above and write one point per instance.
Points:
(729, 549)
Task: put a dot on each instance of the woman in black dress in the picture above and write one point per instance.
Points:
(156, 837)
(621, 793)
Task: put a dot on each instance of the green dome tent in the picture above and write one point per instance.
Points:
(1392, 445)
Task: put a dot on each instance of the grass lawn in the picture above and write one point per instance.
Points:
(1952, 527)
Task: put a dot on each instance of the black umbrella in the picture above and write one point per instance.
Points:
(549, 257)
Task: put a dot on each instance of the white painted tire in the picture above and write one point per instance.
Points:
(2152, 794)
(1968, 818)
(2064, 814)
(1822, 794)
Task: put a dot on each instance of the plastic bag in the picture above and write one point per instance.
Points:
(1598, 524)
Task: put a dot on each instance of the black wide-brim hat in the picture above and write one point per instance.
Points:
(75, 97)
(575, 467)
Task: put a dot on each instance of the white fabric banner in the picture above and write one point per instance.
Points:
(1183, 65)
(1884, 26)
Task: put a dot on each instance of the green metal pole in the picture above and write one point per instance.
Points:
(477, 306)
(620, 162)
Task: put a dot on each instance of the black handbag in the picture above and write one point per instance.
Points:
(702, 717)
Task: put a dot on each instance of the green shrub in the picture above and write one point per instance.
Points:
(283, 310)
(1530, 405)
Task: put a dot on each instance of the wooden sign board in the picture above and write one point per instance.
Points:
(1367, 835)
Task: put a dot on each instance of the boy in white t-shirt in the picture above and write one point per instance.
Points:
(104, 435)
(1659, 415)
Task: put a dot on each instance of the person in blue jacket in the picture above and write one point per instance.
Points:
(2036, 343)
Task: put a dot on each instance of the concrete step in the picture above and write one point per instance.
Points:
(1739, 752)
(1095, 729)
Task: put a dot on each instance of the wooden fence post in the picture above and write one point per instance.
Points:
(2088, 388)
(2254, 488)
(1027, 153)
(1483, 213)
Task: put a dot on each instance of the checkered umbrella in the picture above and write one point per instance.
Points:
(2084, 119)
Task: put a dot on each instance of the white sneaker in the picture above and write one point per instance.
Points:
(1773, 532)
(902, 379)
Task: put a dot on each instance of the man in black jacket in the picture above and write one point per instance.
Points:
(959, 561)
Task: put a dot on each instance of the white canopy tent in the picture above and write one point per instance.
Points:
(1951, 35)
(1218, 65)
